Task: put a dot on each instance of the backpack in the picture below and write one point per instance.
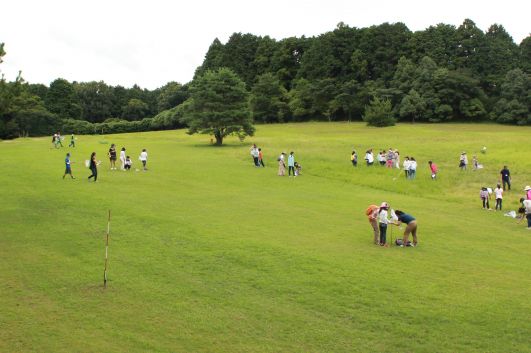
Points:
(370, 210)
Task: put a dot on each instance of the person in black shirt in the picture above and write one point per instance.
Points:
(93, 167)
(411, 227)
(506, 178)
(112, 157)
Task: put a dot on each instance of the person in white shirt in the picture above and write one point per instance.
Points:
(406, 166)
(412, 168)
(369, 157)
(527, 207)
(463, 161)
(498, 192)
(122, 158)
(143, 158)
(383, 221)
(255, 153)
(128, 163)
(397, 159)
(381, 158)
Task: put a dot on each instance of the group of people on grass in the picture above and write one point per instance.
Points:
(381, 216)
(258, 156)
(503, 185)
(293, 167)
(93, 162)
(57, 140)
(391, 159)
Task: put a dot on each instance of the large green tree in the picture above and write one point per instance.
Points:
(61, 99)
(219, 106)
(269, 100)
(515, 104)
(171, 95)
(379, 113)
(135, 109)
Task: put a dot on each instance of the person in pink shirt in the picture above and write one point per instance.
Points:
(434, 170)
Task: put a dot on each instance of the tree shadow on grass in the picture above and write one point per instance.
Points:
(224, 146)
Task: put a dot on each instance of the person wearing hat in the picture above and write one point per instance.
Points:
(463, 161)
(383, 221)
(527, 190)
(506, 177)
(281, 165)
(527, 207)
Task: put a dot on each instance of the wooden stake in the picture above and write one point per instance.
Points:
(107, 250)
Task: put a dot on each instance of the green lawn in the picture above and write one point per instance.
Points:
(209, 254)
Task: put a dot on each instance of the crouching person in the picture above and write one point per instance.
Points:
(411, 227)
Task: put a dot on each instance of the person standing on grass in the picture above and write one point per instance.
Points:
(72, 141)
(143, 158)
(291, 163)
(58, 140)
(397, 159)
(93, 165)
(506, 178)
(527, 207)
(463, 161)
(372, 215)
(68, 169)
(412, 168)
(281, 165)
(254, 154)
(498, 193)
(369, 158)
(122, 158)
(389, 158)
(406, 165)
(354, 158)
(383, 221)
(411, 227)
(433, 169)
(527, 190)
(261, 158)
(484, 195)
(112, 156)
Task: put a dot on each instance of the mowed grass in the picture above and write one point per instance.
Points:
(209, 254)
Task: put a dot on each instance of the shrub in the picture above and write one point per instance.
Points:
(379, 113)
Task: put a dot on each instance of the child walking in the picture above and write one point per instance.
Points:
(143, 158)
(261, 157)
(68, 169)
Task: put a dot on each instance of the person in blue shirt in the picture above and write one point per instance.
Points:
(411, 227)
(68, 169)
(291, 164)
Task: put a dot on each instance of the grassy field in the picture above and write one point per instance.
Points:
(209, 254)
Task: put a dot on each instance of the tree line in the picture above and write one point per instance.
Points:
(382, 74)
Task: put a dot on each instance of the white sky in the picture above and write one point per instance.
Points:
(152, 42)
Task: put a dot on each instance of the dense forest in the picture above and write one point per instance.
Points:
(442, 73)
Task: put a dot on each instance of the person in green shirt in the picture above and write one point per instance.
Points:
(72, 141)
